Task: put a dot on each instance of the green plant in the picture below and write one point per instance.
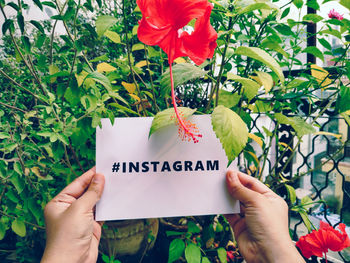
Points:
(56, 88)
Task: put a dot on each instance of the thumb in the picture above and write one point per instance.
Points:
(89, 199)
(237, 190)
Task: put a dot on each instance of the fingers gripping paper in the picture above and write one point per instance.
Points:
(160, 176)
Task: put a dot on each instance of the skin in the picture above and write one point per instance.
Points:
(72, 233)
(261, 230)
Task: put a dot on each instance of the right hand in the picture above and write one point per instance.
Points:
(261, 230)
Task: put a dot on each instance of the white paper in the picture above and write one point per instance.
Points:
(162, 193)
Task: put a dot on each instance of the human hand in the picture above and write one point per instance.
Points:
(72, 233)
(262, 231)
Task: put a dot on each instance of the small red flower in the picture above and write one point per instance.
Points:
(334, 14)
(230, 256)
(163, 23)
(318, 242)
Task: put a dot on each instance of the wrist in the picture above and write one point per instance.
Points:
(283, 252)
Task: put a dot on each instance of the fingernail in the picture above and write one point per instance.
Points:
(230, 176)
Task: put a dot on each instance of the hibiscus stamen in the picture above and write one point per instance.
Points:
(187, 129)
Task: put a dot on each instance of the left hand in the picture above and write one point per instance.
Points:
(72, 233)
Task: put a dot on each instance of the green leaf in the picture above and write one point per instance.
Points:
(38, 4)
(17, 182)
(228, 99)
(299, 125)
(291, 193)
(192, 227)
(313, 18)
(250, 87)
(332, 32)
(298, 3)
(193, 254)
(2, 230)
(266, 80)
(20, 21)
(325, 43)
(37, 25)
(343, 99)
(123, 108)
(263, 57)
(255, 6)
(222, 255)
(345, 3)
(274, 46)
(314, 51)
(113, 36)
(176, 249)
(231, 131)
(10, 147)
(103, 23)
(8, 25)
(306, 220)
(18, 227)
(284, 30)
(182, 73)
(166, 117)
(4, 135)
(137, 46)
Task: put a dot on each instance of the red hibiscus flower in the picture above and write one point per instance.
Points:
(318, 242)
(334, 14)
(163, 23)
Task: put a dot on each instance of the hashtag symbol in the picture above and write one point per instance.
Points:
(115, 167)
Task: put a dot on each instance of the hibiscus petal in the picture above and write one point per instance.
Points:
(150, 34)
(334, 242)
(201, 43)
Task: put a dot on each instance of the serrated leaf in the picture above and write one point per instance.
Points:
(299, 125)
(228, 99)
(176, 249)
(18, 227)
(182, 73)
(231, 131)
(222, 255)
(166, 117)
(250, 87)
(103, 23)
(291, 193)
(266, 80)
(263, 57)
(193, 254)
(105, 67)
(313, 18)
(113, 36)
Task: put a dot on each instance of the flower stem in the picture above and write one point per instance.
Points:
(182, 125)
(325, 257)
